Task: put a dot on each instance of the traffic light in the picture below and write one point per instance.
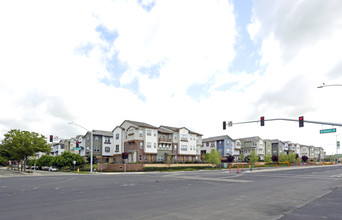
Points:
(224, 125)
(77, 144)
(124, 155)
(51, 138)
(262, 120)
(301, 121)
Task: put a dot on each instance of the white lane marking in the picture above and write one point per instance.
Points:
(211, 179)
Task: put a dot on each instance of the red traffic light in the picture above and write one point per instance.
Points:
(262, 121)
(301, 121)
(51, 138)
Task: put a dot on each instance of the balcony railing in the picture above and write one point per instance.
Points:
(164, 139)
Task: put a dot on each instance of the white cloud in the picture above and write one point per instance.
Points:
(54, 66)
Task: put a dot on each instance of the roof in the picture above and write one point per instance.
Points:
(140, 124)
(177, 129)
(216, 138)
(103, 133)
(164, 130)
(249, 138)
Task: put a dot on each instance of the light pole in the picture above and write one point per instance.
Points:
(322, 86)
(91, 144)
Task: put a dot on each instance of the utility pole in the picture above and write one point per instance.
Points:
(91, 144)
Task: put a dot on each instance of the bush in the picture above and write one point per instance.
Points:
(304, 158)
(275, 158)
(147, 169)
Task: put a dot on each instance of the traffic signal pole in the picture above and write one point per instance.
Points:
(286, 119)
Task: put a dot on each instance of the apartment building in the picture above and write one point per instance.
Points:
(253, 143)
(147, 143)
(57, 148)
(103, 146)
(186, 144)
(119, 138)
(167, 150)
(225, 145)
(140, 141)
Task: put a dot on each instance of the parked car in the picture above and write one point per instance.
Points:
(53, 169)
(34, 167)
(47, 168)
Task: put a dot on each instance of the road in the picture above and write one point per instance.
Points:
(301, 193)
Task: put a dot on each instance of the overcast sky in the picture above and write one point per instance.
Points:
(192, 63)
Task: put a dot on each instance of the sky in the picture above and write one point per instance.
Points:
(192, 63)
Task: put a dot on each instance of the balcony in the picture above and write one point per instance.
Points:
(238, 147)
(169, 140)
(184, 139)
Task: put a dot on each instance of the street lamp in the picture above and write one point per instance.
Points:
(322, 86)
(91, 144)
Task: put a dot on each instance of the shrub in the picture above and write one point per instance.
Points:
(304, 158)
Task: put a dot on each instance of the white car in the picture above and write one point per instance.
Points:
(53, 169)
(46, 168)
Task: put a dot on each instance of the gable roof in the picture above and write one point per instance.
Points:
(216, 138)
(140, 124)
(103, 133)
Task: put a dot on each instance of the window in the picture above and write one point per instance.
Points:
(145, 157)
(160, 158)
(155, 145)
(117, 148)
(184, 148)
(140, 157)
(96, 138)
(107, 149)
(175, 146)
(154, 133)
(107, 140)
(149, 145)
(148, 132)
(184, 137)
(140, 132)
(117, 136)
(97, 149)
(141, 145)
(176, 136)
(207, 144)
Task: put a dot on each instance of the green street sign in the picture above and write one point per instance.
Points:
(324, 131)
(77, 148)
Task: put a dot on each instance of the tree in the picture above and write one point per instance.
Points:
(19, 145)
(205, 157)
(253, 157)
(304, 158)
(242, 157)
(66, 159)
(299, 160)
(44, 161)
(214, 157)
(268, 158)
(292, 157)
(283, 158)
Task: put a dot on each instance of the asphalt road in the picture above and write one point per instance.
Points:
(305, 193)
